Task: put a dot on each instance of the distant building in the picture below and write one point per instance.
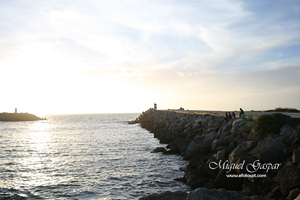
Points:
(155, 106)
(16, 110)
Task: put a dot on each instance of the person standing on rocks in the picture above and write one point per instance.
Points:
(229, 115)
(241, 112)
(226, 116)
(233, 115)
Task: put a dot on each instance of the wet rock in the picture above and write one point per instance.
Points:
(269, 150)
(178, 195)
(159, 149)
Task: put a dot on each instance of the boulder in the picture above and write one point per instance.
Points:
(230, 183)
(293, 194)
(248, 144)
(293, 138)
(214, 145)
(159, 149)
(221, 154)
(191, 150)
(288, 177)
(237, 152)
(286, 130)
(217, 194)
(247, 160)
(204, 147)
(296, 156)
(178, 195)
(269, 150)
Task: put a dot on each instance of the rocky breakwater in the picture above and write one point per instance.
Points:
(11, 117)
(256, 157)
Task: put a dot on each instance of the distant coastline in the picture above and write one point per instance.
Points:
(13, 117)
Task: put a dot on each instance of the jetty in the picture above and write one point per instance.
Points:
(12, 117)
(239, 157)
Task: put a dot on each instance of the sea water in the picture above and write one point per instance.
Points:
(91, 156)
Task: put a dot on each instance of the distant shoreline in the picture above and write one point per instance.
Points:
(14, 117)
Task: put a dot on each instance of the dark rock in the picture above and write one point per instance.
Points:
(254, 137)
(217, 194)
(182, 179)
(228, 139)
(293, 138)
(288, 177)
(232, 183)
(248, 144)
(178, 195)
(191, 150)
(258, 186)
(293, 194)
(194, 162)
(221, 154)
(275, 193)
(159, 149)
(269, 150)
(247, 160)
(194, 175)
(237, 152)
(204, 147)
(200, 182)
(296, 156)
(214, 145)
(286, 130)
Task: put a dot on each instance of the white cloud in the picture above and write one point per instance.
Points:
(175, 46)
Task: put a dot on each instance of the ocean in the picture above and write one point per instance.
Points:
(88, 156)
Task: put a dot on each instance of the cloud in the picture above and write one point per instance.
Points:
(174, 47)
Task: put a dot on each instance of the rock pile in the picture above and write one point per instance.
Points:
(230, 154)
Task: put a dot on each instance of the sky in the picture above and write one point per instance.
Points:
(121, 56)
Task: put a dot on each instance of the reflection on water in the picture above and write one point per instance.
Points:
(83, 157)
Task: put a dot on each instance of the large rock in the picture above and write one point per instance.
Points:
(239, 151)
(293, 138)
(230, 183)
(269, 150)
(204, 147)
(159, 149)
(286, 130)
(191, 150)
(288, 177)
(178, 195)
(296, 156)
(293, 194)
(219, 194)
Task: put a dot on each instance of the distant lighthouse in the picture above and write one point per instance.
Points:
(155, 106)
(16, 110)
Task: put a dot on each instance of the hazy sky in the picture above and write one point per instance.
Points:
(99, 56)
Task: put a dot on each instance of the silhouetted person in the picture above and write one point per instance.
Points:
(241, 112)
(226, 116)
(233, 115)
(229, 115)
